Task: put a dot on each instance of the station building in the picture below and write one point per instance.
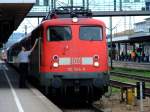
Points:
(132, 40)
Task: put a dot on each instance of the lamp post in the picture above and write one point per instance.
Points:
(111, 63)
(25, 27)
(114, 5)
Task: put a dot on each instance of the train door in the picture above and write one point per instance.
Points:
(35, 58)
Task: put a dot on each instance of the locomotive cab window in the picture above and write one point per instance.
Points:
(58, 33)
(91, 33)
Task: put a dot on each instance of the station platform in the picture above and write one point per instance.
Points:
(132, 65)
(15, 99)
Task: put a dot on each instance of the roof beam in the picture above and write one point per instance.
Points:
(100, 13)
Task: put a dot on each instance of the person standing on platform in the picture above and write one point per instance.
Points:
(147, 56)
(133, 56)
(23, 58)
(139, 56)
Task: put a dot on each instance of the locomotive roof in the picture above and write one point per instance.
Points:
(68, 21)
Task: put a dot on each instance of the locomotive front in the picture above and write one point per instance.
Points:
(74, 58)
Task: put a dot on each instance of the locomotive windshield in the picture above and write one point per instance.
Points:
(90, 33)
(58, 33)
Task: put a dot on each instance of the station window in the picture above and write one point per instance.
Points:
(37, 2)
(46, 2)
(126, 1)
(41, 2)
(136, 0)
(58, 33)
(91, 33)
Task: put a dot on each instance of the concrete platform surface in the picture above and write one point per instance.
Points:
(132, 65)
(14, 99)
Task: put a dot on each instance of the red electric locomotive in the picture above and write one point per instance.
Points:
(70, 58)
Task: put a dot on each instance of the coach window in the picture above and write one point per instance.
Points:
(59, 33)
(91, 33)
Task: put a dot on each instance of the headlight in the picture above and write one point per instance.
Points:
(55, 64)
(96, 64)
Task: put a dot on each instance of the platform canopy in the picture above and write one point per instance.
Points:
(12, 12)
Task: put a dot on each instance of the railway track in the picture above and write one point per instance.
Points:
(120, 85)
(87, 108)
(131, 76)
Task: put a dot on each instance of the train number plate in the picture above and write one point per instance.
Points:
(76, 61)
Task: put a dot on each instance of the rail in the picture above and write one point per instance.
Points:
(120, 85)
(131, 76)
(85, 108)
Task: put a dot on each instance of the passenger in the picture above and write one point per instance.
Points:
(133, 56)
(128, 56)
(122, 56)
(139, 56)
(147, 56)
(117, 56)
(23, 64)
(143, 56)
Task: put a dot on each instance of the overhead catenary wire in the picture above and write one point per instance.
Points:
(118, 23)
(30, 23)
(61, 2)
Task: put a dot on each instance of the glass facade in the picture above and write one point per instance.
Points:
(42, 3)
(95, 5)
(37, 2)
(46, 2)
